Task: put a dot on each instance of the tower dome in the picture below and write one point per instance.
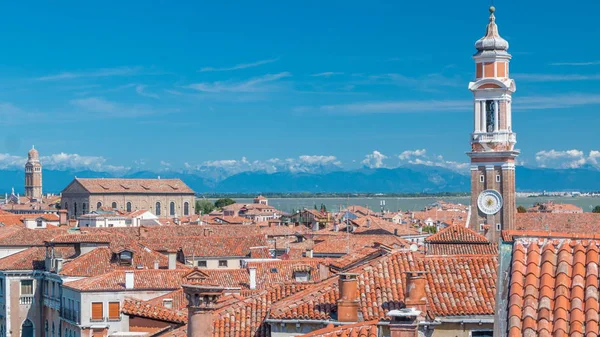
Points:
(492, 41)
(33, 154)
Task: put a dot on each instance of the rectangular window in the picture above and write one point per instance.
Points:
(202, 264)
(497, 178)
(97, 311)
(114, 310)
(26, 287)
(168, 303)
(482, 333)
(481, 227)
(222, 263)
(481, 178)
(498, 227)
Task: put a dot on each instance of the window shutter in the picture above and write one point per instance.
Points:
(114, 309)
(97, 311)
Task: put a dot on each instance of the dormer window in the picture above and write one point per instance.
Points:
(302, 276)
(126, 258)
(168, 303)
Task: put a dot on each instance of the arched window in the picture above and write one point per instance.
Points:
(75, 209)
(128, 206)
(53, 329)
(172, 208)
(67, 206)
(114, 205)
(98, 205)
(186, 208)
(84, 208)
(157, 210)
(27, 329)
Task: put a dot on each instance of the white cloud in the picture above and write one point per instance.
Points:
(240, 66)
(327, 74)
(420, 157)
(103, 72)
(412, 153)
(567, 159)
(140, 89)
(8, 161)
(256, 84)
(374, 160)
(63, 161)
(589, 63)
(220, 169)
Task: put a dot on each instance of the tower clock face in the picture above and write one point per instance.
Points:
(489, 202)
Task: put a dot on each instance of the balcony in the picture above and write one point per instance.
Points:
(26, 299)
(500, 137)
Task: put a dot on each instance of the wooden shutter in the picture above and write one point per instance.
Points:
(97, 311)
(114, 309)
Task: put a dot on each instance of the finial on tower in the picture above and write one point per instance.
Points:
(492, 41)
(492, 9)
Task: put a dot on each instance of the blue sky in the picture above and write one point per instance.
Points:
(152, 85)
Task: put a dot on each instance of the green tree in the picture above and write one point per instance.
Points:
(224, 202)
(596, 209)
(521, 209)
(204, 206)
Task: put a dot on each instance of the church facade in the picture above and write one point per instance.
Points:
(162, 197)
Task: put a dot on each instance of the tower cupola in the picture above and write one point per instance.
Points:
(492, 41)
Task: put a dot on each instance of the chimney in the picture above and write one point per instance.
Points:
(252, 273)
(172, 256)
(309, 253)
(129, 279)
(395, 231)
(416, 295)
(202, 302)
(62, 217)
(323, 271)
(404, 322)
(348, 302)
(155, 264)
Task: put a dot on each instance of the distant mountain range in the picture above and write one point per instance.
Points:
(406, 179)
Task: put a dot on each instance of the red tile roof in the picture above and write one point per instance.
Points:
(31, 259)
(134, 307)
(460, 285)
(29, 237)
(374, 225)
(345, 243)
(121, 185)
(459, 240)
(456, 285)
(153, 279)
(245, 318)
(355, 257)
(554, 287)
(559, 222)
(207, 246)
(457, 234)
(362, 329)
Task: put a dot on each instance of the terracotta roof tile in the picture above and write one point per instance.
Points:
(122, 185)
(133, 307)
(457, 285)
(31, 259)
(207, 246)
(457, 234)
(557, 293)
(362, 329)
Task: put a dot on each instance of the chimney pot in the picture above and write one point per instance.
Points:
(156, 264)
(172, 257)
(416, 295)
(348, 302)
(129, 279)
(252, 274)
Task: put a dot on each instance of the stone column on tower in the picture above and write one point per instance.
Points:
(493, 151)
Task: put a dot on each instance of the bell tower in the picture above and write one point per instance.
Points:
(33, 175)
(493, 154)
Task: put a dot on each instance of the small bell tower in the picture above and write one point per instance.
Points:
(493, 154)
